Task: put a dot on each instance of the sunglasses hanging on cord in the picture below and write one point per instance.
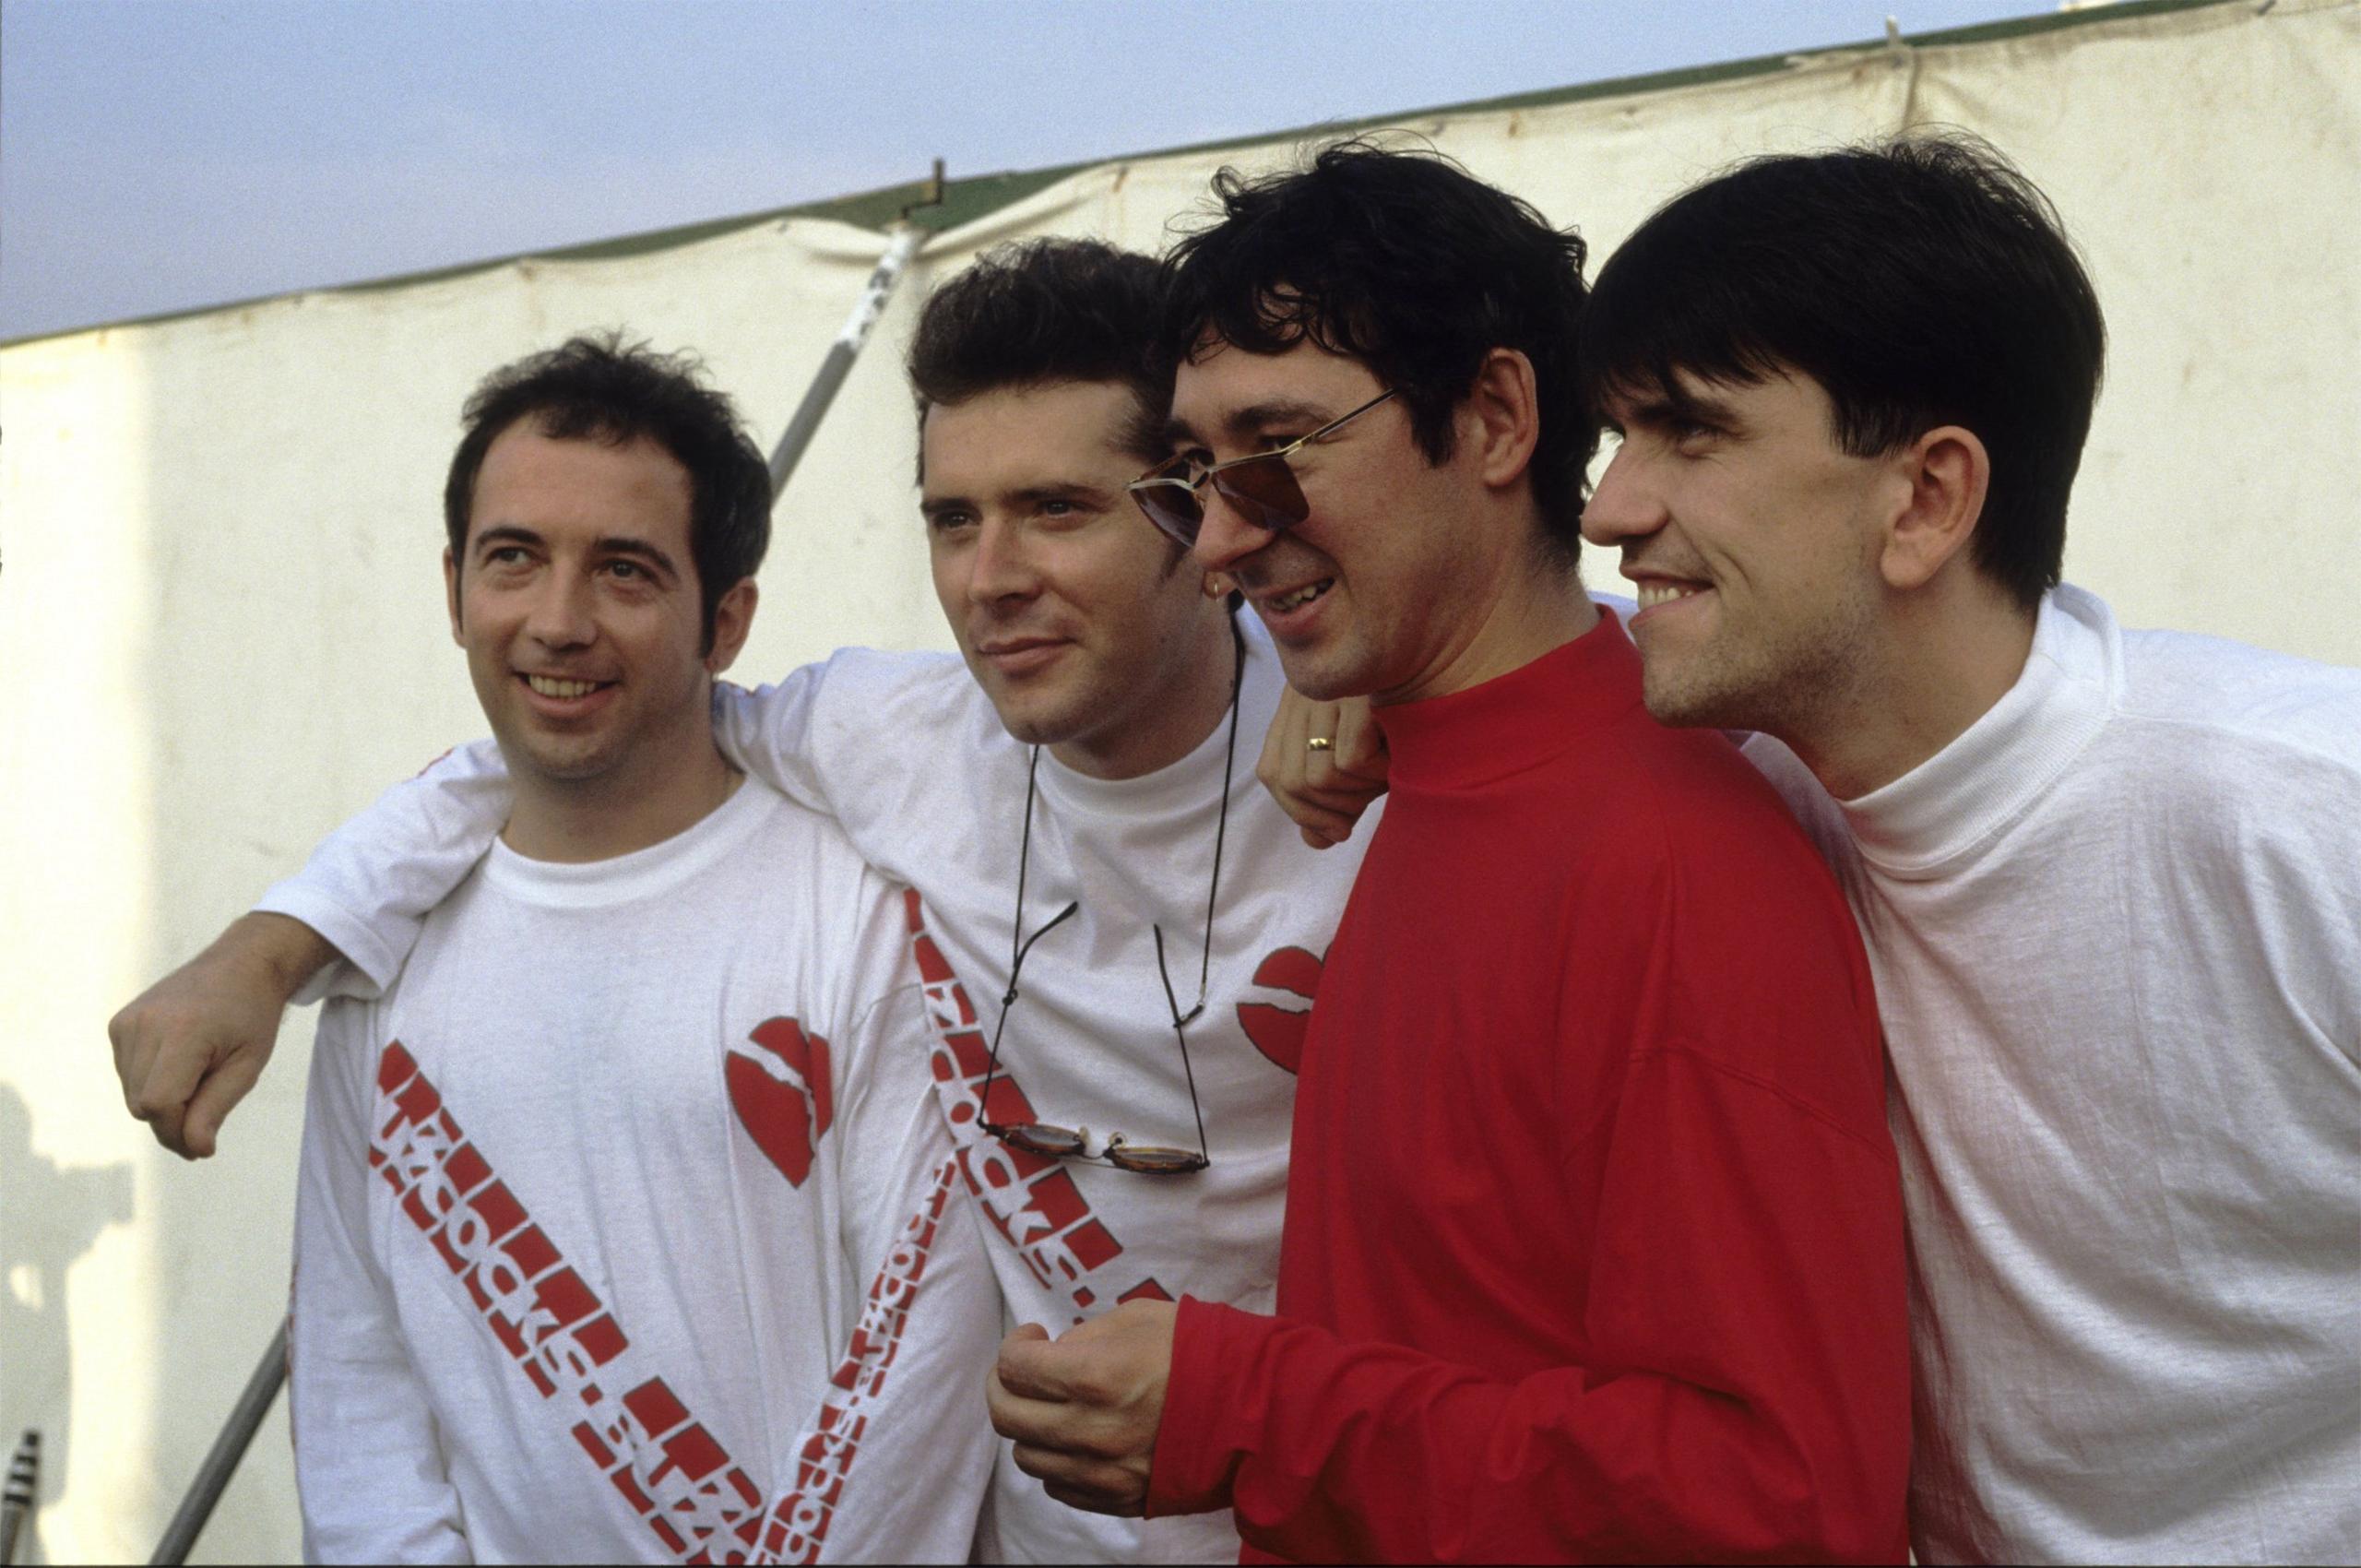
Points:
(1054, 1142)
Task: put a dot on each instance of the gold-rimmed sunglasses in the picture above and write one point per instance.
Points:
(1260, 485)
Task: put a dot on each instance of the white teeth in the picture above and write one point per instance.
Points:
(1658, 592)
(1302, 596)
(554, 688)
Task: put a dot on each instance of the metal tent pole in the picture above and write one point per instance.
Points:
(907, 238)
(18, 1500)
(228, 1449)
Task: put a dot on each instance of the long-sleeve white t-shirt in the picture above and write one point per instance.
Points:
(628, 1229)
(906, 752)
(2115, 929)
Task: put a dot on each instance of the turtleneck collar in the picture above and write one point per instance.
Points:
(1962, 798)
(1518, 720)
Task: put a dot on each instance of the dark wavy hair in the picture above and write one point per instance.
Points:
(598, 388)
(1404, 261)
(1043, 312)
(1921, 281)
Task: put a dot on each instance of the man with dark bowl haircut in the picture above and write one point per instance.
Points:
(1594, 1235)
(2110, 879)
(1069, 798)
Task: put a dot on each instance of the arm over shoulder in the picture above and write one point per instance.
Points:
(371, 884)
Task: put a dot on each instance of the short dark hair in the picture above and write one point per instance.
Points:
(598, 388)
(1921, 281)
(1404, 261)
(1044, 311)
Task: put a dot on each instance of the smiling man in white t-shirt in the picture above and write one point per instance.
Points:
(627, 1230)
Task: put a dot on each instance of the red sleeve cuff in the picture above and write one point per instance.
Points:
(1200, 1440)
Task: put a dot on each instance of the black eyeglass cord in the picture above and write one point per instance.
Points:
(1020, 945)
(1213, 894)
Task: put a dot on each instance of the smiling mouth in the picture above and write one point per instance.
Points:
(1279, 604)
(552, 686)
(1657, 590)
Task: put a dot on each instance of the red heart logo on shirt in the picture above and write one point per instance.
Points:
(1278, 1032)
(782, 1095)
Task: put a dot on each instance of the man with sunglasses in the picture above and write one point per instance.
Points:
(1594, 1237)
(1120, 934)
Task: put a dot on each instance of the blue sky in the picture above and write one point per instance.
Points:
(163, 154)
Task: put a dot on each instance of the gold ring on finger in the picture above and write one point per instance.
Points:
(1320, 743)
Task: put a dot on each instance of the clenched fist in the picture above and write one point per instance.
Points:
(189, 1047)
(1084, 1409)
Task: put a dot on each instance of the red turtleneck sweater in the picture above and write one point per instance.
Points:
(1594, 1242)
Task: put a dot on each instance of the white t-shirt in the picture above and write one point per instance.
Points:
(2116, 928)
(906, 753)
(627, 1229)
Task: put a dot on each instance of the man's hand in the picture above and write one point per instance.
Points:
(1327, 788)
(1084, 1409)
(189, 1047)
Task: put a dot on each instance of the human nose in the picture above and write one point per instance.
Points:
(1225, 537)
(1623, 506)
(1001, 567)
(560, 615)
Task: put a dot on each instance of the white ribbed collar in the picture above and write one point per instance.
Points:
(643, 873)
(1958, 800)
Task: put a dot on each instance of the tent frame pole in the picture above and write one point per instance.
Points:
(903, 245)
(222, 1463)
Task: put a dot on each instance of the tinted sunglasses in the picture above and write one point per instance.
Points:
(1262, 487)
(1069, 1143)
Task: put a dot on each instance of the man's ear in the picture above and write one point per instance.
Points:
(1507, 414)
(1948, 473)
(732, 619)
(451, 592)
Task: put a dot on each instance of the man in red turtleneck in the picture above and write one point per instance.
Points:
(1593, 1238)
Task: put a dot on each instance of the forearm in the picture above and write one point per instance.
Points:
(1733, 1382)
(369, 1454)
(908, 1388)
(1328, 1450)
(281, 953)
(372, 1492)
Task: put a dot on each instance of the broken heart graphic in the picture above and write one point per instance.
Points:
(782, 1095)
(1278, 1032)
